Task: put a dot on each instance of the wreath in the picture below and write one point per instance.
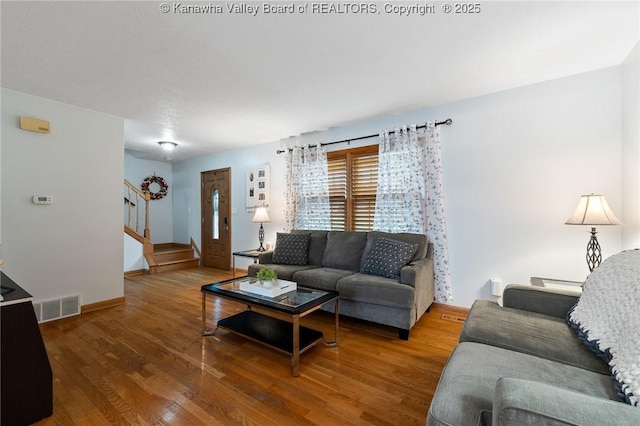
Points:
(164, 188)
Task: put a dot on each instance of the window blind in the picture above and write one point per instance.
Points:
(364, 182)
(337, 193)
(353, 177)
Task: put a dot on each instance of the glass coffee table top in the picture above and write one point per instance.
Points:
(293, 302)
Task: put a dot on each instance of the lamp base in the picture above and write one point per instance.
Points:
(594, 254)
(261, 238)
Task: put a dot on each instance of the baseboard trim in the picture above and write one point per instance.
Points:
(452, 309)
(136, 272)
(102, 305)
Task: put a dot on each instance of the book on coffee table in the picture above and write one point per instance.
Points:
(268, 288)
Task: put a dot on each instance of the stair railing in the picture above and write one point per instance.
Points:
(133, 200)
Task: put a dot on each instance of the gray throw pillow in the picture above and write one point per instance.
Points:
(344, 250)
(291, 249)
(387, 257)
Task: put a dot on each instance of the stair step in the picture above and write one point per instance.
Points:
(168, 247)
(173, 265)
(172, 256)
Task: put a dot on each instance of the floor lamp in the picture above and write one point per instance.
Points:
(261, 216)
(593, 210)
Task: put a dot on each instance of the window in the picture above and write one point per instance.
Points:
(216, 214)
(353, 181)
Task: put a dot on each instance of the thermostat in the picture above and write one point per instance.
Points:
(42, 199)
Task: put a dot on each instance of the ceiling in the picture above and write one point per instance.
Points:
(217, 81)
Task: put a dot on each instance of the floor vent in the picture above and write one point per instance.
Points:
(48, 310)
(453, 318)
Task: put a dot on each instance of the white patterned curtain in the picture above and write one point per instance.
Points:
(410, 196)
(307, 193)
(401, 194)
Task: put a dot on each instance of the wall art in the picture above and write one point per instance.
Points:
(258, 187)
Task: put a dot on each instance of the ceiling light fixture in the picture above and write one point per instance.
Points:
(168, 146)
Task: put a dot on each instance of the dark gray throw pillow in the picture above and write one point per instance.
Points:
(291, 249)
(387, 257)
(344, 250)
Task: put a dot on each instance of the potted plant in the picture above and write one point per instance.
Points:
(267, 276)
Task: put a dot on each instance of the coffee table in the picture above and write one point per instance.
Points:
(277, 324)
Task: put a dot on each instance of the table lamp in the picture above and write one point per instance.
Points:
(261, 216)
(593, 210)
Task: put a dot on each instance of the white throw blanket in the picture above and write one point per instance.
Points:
(608, 316)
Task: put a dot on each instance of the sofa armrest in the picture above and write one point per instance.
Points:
(541, 300)
(419, 275)
(265, 257)
(415, 272)
(522, 402)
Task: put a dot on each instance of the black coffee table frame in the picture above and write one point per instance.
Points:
(277, 324)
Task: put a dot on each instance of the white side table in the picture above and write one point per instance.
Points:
(574, 286)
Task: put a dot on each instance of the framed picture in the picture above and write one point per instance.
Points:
(258, 187)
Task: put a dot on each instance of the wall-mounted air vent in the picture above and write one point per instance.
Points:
(48, 310)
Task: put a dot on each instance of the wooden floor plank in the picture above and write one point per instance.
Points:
(145, 363)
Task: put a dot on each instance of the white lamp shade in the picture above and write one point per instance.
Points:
(261, 215)
(593, 209)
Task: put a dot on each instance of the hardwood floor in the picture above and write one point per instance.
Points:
(146, 363)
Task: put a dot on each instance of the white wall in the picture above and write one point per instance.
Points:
(631, 149)
(160, 211)
(244, 233)
(133, 255)
(515, 164)
(75, 244)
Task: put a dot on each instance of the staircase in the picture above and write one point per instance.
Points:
(172, 256)
(160, 257)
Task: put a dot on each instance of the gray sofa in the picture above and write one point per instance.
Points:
(521, 364)
(335, 260)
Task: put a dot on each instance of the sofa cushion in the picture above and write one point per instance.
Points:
(528, 332)
(387, 257)
(284, 272)
(376, 290)
(419, 239)
(520, 402)
(317, 244)
(467, 385)
(291, 249)
(344, 250)
(320, 278)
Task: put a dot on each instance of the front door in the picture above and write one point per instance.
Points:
(216, 218)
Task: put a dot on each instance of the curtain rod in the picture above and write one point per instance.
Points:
(448, 122)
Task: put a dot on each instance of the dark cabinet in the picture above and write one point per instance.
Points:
(26, 381)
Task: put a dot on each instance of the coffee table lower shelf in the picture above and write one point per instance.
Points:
(270, 331)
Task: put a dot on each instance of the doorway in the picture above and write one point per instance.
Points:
(215, 199)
